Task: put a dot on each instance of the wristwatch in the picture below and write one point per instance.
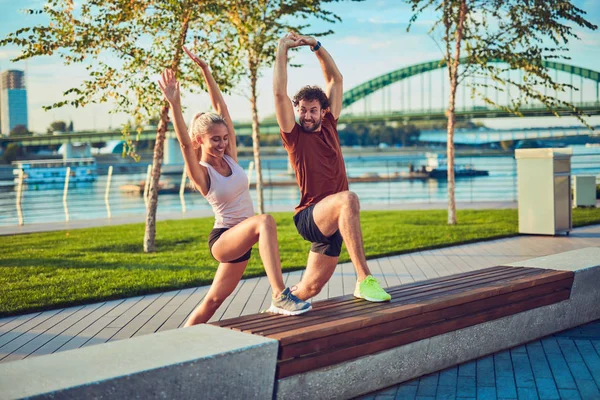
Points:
(316, 47)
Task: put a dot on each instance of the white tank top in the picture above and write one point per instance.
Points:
(229, 195)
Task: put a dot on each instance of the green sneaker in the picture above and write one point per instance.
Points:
(288, 304)
(370, 290)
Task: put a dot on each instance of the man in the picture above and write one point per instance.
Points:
(328, 211)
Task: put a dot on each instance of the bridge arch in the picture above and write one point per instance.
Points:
(364, 89)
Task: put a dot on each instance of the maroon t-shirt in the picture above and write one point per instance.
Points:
(317, 160)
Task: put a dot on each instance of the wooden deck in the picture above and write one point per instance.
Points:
(58, 330)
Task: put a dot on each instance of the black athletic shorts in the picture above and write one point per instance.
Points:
(214, 235)
(305, 223)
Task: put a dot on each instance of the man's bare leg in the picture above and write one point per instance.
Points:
(342, 211)
(319, 269)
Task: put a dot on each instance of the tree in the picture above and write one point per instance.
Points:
(254, 27)
(12, 152)
(70, 127)
(521, 34)
(124, 45)
(57, 126)
(20, 130)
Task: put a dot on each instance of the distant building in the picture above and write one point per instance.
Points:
(13, 100)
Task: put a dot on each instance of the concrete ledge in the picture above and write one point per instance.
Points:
(404, 363)
(199, 362)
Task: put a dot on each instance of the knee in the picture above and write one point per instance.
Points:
(266, 221)
(350, 201)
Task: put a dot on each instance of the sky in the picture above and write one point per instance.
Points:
(370, 41)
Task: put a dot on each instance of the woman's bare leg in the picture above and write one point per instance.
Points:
(235, 242)
(227, 277)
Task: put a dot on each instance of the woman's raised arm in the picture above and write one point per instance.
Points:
(217, 101)
(170, 89)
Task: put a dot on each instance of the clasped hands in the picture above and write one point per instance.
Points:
(294, 39)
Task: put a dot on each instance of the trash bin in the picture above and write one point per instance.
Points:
(544, 190)
(584, 191)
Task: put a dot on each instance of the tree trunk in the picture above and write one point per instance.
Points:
(256, 136)
(452, 112)
(157, 159)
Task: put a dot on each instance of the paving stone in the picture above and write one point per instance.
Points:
(527, 394)
(406, 392)
(506, 387)
(588, 389)
(485, 372)
(467, 386)
(547, 389)
(468, 369)
(428, 385)
(448, 377)
(569, 394)
(486, 393)
(446, 392)
(523, 373)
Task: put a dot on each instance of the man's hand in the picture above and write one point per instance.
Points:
(198, 61)
(291, 40)
(306, 40)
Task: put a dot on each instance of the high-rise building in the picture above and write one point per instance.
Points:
(13, 100)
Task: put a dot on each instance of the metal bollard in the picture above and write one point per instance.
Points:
(250, 168)
(66, 192)
(20, 197)
(108, 179)
(182, 191)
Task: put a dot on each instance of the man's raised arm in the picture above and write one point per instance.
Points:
(333, 76)
(283, 105)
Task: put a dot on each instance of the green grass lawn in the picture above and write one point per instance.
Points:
(56, 269)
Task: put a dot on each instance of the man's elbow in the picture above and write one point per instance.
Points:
(336, 79)
(280, 95)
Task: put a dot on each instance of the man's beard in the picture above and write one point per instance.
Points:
(316, 126)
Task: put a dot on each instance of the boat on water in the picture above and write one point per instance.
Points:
(55, 170)
(437, 167)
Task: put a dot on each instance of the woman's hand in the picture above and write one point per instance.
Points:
(198, 61)
(169, 86)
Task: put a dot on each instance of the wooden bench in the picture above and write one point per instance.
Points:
(344, 328)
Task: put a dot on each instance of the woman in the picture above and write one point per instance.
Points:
(210, 154)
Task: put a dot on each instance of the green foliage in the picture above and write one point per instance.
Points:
(522, 34)
(12, 152)
(57, 126)
(255, 26)
(20, 130)
(123, 45)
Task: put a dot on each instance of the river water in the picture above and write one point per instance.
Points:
(87, 201)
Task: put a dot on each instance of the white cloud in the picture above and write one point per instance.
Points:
(352, 40)
(380, 21)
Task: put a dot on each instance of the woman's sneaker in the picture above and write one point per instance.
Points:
(370, 290)
(288, 304)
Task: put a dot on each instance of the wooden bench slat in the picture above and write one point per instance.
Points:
(400, 295)
(296, 366)
(385, 315)
(372, 332)
(324, 303)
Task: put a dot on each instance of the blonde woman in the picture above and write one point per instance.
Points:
(210, 154)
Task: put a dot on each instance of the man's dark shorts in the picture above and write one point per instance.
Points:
(305, 223)
(214, 235)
